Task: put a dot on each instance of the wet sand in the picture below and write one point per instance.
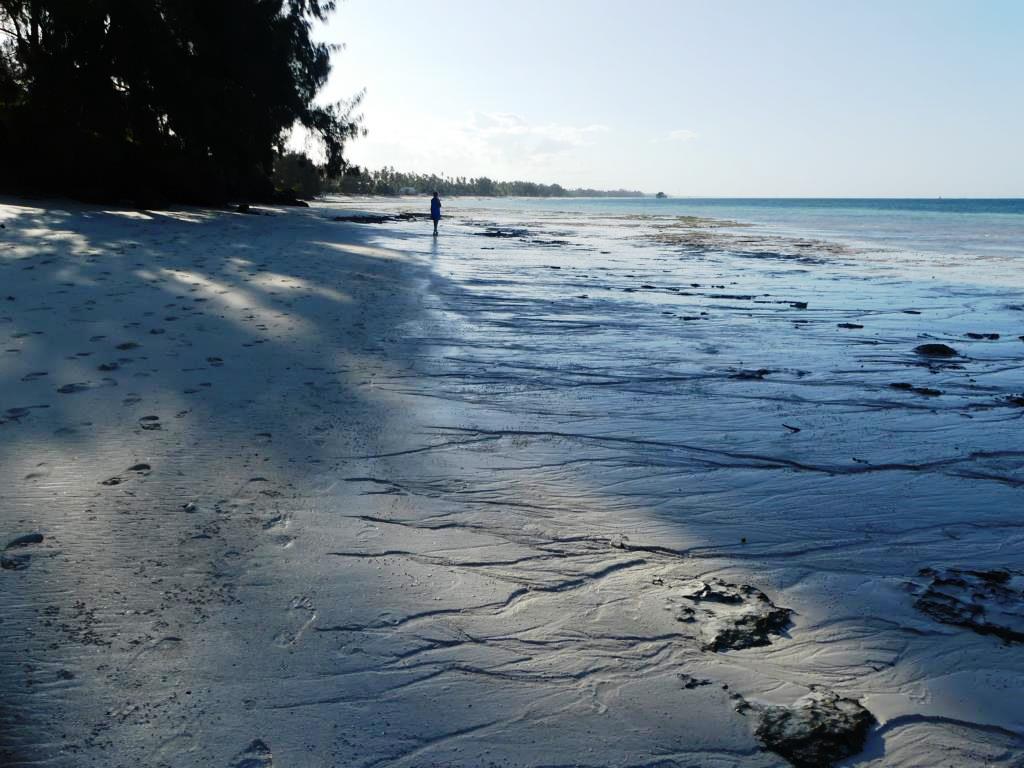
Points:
(547, 491)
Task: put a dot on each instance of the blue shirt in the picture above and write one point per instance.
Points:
(435, 208)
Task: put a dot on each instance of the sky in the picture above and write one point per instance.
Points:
(693, 97)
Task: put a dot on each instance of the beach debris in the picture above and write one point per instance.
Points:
(989, 336)
(1017, 400)
(190, 507)
(256, 755)
(794, 430)
(732, 616)
(820, 729)
(798, 304)
(936, 350)
(987, 602)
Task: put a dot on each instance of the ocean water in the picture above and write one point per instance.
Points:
(954, 226)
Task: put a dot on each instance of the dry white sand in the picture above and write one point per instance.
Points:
(269, 538)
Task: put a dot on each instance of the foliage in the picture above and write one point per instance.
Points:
(152, 99)
(388, 181)
(295, 175)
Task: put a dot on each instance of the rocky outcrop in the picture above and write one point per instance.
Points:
(732, 616)
(817, 731)
(986, 602)
(936, 350)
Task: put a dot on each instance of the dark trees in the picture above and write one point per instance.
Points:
(156, 99)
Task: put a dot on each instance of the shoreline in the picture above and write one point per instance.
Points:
(490, 499)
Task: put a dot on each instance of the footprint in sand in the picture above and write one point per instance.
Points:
(150, 423)
(256, 755)
(140, 468)
(34, 375)
(302, 614)
(19, 561)
(70, 389)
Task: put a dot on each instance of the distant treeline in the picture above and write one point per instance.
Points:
(151, 100)
(388, 181)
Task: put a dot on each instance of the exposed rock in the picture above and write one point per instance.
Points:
(690, 682)
(986, 602)
(817, 731)
(503, 232)
(732, 616)
(755, 375)
(936, 350)
(370, 218)
(907, 387)
(849, 325)
(989, 336)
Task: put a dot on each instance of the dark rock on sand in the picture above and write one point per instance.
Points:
(369, 218)
(500, 232)
(986, 602)
(734, 616)
(817, 731)
(755, 375)
(849, 325)
(689, 682)
(990, 336)
(908, 387)
(936, 350)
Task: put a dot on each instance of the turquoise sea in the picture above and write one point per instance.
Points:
(952, 226)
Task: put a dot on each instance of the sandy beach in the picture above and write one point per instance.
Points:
(555, 489)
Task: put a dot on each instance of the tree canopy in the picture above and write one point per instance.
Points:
(388, 181)
(162, 99)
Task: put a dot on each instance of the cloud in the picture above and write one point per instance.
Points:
(498, 144)
(509, 137)
(683, 135)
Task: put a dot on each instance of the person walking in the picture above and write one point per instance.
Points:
(435, 211)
